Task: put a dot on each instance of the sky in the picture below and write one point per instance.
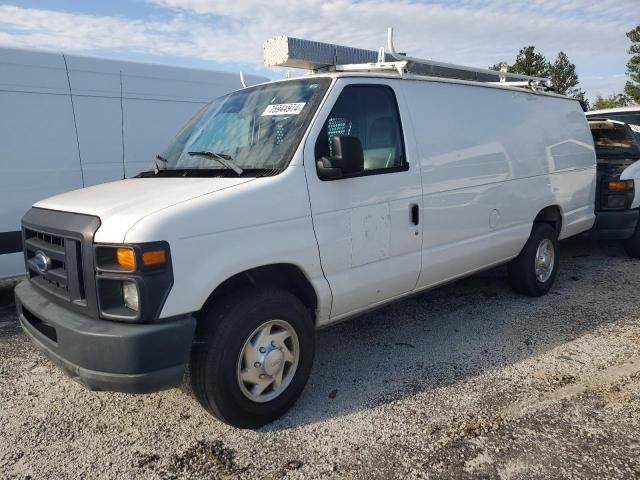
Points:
(228, 34)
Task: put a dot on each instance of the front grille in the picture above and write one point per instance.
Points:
(63, 277)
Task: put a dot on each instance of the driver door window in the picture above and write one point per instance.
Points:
(369, 113)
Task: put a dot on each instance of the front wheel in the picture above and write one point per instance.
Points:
(533, 272)
(252, 356)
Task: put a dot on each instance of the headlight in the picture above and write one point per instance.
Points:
(133, 280)
(616, 201)
(617, 194)
(130, 295)
(128, 259)
(619, 185)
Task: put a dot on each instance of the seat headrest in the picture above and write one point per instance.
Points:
(382, 133)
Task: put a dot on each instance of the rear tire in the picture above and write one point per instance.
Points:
(533, 272)
(632, 244)
(232, 332)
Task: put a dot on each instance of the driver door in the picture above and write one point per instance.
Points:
(368, 227)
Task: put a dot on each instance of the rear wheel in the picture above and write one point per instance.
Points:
(632, 244)
(252, 356)
(534, 270)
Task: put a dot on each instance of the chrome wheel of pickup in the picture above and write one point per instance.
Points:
(545, 259)
(268, 361)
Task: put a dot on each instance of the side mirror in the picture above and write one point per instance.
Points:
(347, 160)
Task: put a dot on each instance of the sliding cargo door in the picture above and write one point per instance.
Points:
(476, 213)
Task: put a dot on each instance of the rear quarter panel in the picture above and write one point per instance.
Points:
(491, 159)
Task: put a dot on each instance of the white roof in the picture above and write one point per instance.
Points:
(57, 72)
(632, 108)
(422, 78)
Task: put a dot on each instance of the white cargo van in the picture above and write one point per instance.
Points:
(68, 121)
(294, 204)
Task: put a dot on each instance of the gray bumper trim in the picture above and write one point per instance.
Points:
(614, 225)
(104, 355)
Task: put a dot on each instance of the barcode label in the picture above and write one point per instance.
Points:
(284, 109)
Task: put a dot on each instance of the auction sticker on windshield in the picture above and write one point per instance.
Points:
(284, 109)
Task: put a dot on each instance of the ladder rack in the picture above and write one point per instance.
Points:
(291, 52)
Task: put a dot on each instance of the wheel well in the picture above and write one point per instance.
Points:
(282, 275)
(551, 215)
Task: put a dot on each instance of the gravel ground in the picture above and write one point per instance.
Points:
(466, 381)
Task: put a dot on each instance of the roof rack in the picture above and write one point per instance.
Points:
(291, 52)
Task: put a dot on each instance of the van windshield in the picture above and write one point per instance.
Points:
(252, 131)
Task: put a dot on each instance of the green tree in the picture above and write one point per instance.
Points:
(530, 62)
(612, 101)
(563, 75)
(562, 72)
(632, 87)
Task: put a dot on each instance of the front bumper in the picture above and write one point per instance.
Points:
(104, 355)
(614, 225)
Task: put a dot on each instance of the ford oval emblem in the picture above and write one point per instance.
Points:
(43, 263)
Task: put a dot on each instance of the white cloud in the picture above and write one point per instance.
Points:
(36, 28)
(476, 32)
(603, 86)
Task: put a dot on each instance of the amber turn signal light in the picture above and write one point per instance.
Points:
(154, 257)
(126, 258)
(618, 185)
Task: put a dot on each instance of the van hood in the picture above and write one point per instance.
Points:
(613, 139)
(125, 202)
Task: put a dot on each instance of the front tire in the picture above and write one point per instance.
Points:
(632, 244)
(252, 356)
(533, 272)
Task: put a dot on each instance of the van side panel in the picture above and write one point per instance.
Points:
(96, 101)
(491, 159)
(38, 150)
(144, 138)
(158, 100)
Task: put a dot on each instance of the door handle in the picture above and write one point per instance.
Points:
(415, 214)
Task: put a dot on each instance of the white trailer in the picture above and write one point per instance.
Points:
(69, 121)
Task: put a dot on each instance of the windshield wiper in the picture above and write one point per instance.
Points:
(159, 158)
(221, 158)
